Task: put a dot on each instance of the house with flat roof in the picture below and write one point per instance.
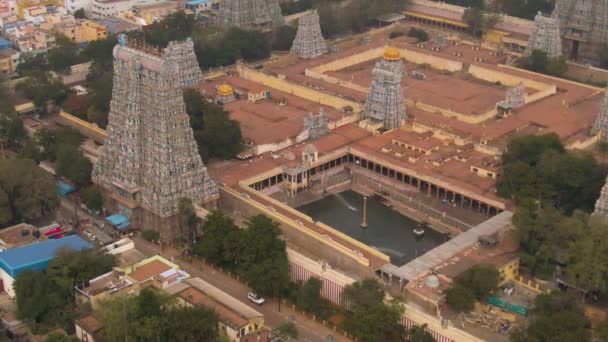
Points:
(34, 257)
(19, 235)
(235, 318)
(155, 271)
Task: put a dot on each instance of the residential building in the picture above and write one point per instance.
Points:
(19, 235)
(9, 58)
(88, 329)
(5, 44)
(111, 8)
(35, 256)
(236, 318)
(155, 271)
(198, 6)
(82, 30)
(156, 11)
(73, 5)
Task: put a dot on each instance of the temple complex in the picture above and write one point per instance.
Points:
(309, 41)
(385, 103)
(182, 53)
(150, 160)
(545, 36)
(250, 14)
(584, 27)
(600, 124)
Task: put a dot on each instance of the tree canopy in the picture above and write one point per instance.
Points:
(372, 319)
(475, 283)
(537, 169)
(26, 191)
(64, 54)
(217, 135)
(257, 252)
(47, 298)
(41, 87)
(556, 317)
(153, 316)
(538, 61)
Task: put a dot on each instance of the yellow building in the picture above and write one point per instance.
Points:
(82, 30)
(8, 62)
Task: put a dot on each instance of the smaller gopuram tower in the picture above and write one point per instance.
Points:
(601, 205)
(250, 14)
(182, 53)
(316, 124)
(309, 41)
(545, 36)
(600, 125)
(385, 102)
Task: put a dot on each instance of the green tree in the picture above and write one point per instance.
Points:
(526, 9)
(288, 329)
(419, 34)
(557, 317)
(150, 235)
(377, 323)
(175, 26)
(32, 63)
(419, 333)
(264, 262)
(282, 37)
(59, 337)
(538, 61)
(587, 256)
(151, 316)
(11, 129)
(64, 54)
(50, 140)
(557, 66)
(480, 279)
(309, 295)
(216, 229)
(73, 165)
(41, 87)
(479, 21)
(363, 294)
(70, 268)
(217, 136)
(34, 302)
(190, 222)
(26, 191)
(80, 14)
(460, 298)
(92, 198)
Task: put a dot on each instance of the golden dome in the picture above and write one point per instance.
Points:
(224, 90)
(391, 54)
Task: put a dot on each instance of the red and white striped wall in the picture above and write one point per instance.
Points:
(329, 289)
(408, 324)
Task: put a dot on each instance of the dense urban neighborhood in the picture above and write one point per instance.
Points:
(304, 170)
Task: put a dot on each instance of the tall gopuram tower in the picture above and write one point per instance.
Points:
(250, 14)
(601, 205)
(545, 36)
(309, 41)
(600, 124)
(182, 53)
(149, 160)
(584, 27)
(385, 102)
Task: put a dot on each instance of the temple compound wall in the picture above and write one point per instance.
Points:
(297, 90)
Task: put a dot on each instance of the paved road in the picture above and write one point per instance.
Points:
(308, 329)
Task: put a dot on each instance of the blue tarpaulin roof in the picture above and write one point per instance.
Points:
(63, 188)
(37, 255)
(197, 2)
(118, 221)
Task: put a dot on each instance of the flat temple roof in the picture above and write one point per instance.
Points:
(443, 252)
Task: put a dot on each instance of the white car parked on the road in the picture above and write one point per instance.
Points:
(255, 298)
